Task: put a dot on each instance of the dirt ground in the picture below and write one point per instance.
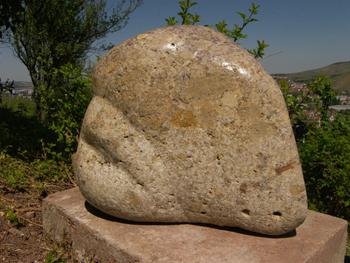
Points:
(21, 236)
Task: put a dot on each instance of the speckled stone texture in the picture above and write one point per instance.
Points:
(186, 126)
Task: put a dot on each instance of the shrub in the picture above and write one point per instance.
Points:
(325, 155)
(66, 103)
(323, 140)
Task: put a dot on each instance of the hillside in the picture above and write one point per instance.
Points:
(338, 72)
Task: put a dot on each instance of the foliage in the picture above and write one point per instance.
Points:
(323, 139)
(236, 33)
(322, 87)
(325, 155)
(308, 107)
(52, 38)
(53, 256)
(23, 160)
(13, 173)
(12, 217)
(66, 102)
(19, 105)
(23, 174)
(52, 34)
(301, 113)
(9, 10)
(187, 17)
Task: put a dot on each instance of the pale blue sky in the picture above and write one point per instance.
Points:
(302, 34)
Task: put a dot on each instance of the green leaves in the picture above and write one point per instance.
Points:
(187, 18)
(171, 21)
(55, 256)
(236, 33)
(325, 154)
(9, 13)
(259, 52)
(66, 102)
(323, 140)
(253, 9)
(322, 87)
(12, 217)
(52, 34)
(222, 27)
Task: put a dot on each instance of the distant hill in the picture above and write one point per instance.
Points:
(338, 72)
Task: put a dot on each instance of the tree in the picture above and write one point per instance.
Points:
(9, 10)
(236, 33)
(52, 34)
(322, 87)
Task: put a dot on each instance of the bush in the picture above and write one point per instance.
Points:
(323, 139)
(66, 102)
(325, 155)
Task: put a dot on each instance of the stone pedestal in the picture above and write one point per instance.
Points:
(70, 221)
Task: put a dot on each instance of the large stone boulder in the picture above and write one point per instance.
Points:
(186, 126)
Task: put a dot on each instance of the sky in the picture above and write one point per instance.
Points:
(302, 34)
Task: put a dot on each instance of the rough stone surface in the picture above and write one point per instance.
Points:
(186, 126)
(98, 238)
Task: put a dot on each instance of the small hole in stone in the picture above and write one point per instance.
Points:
(277, 213)
(173, 44)
(203, 212)
(246, 212)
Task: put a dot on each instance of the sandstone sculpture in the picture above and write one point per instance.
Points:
(186, 126)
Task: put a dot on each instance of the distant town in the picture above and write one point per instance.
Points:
(23, 88)
(298, 87)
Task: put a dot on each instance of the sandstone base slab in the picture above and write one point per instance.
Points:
(95, 237)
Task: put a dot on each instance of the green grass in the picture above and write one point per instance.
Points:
(19, 104)
(54, 256)
(21, 174)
